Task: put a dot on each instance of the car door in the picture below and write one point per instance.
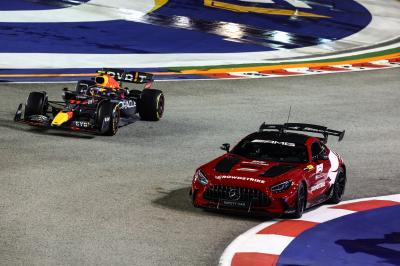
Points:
(319, 182)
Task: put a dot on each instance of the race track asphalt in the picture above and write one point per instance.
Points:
(68, 199)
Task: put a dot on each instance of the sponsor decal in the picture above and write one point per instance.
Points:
(126, 104)
(82, 124)
(320, 168)
(317, 186)
(274, 142)
(242, 178)
(39, 118)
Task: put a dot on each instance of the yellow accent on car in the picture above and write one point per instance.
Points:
(260, 10)
(309, 167)
(158, 4)
(61, 118)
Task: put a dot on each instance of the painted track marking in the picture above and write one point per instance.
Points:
(242, 251)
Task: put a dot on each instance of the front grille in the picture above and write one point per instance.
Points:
(249, 195)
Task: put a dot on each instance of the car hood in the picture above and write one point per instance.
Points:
(235, 168)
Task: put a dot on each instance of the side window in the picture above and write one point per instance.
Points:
(316, 150)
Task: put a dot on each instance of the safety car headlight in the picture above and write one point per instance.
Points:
(281, 186)
(201, 177)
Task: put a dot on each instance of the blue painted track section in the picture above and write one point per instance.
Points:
(114, 37)
(185, 26)
(13, 5)
(347, 241)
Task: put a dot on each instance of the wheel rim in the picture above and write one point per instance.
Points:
(115, 120)
(160, 108)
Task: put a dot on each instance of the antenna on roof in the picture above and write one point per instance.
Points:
(282, 129)
(290, 110)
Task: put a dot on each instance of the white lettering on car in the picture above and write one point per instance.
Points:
(84, 124)
(126, 104)
(317, 186)
(284, 143)
(242, 178)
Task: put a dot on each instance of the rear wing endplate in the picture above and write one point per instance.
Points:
(304, 128)
(132, 77)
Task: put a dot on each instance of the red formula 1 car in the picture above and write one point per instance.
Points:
(273, 171)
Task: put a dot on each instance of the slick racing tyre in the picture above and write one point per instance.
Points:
(151, 105)
(338, 187)
(108, 115)
(36, 104)
(300, 202)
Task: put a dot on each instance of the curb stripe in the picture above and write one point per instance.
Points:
(254, 259)
(263, 244)
(291, 228)
(366, 205)
(380, 62)
(395, 56)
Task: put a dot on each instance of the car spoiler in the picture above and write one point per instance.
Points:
(132, 77)
(305, 128)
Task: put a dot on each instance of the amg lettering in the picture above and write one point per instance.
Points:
(274, 142)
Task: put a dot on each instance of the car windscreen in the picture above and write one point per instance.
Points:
(271, 150)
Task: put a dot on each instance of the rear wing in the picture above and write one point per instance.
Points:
(132, 77)
(304, 128)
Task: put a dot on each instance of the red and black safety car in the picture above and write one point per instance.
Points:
(275, 171)
(100, 105)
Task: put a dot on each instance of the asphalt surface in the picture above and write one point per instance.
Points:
(68, 199)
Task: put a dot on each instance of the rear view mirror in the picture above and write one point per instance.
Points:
(323, 156)
(320, 157)
(225, 147)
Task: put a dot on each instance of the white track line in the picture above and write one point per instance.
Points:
(385, 25)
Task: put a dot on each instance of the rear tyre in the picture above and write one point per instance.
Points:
(338, 187)
(108, 116)
(36, 104)
(151, 105)
(300, 202)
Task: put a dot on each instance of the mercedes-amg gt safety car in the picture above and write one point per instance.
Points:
(277, 170)
(99, 106)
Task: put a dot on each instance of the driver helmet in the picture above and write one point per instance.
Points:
(105, 80)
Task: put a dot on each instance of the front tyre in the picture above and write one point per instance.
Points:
(108, 116)
(36, 104)
(338, 187)
(300, 202)
(151, 105)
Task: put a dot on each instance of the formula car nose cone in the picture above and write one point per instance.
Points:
(61, 118)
